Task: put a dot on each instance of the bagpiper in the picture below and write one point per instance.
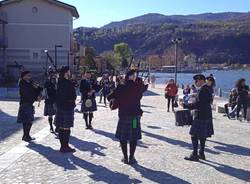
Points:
(65, 102)
(50, 99)
(202, 126)
(29, 93)
(88, 88)
(128, 97)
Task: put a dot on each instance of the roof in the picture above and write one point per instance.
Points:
(71, 8)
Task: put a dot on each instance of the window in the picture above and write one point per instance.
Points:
(35, 55)
(34, 10)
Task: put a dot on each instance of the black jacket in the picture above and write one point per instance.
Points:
(243, 93)
(66, 95)
(28, 93)
(86, 86)
(128, 96)
(51, 92)
(202, 104)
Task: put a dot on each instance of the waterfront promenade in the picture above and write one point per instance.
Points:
(97, 160)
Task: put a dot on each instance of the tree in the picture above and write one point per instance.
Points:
(122, 54)
(90, 58)
(112, 63)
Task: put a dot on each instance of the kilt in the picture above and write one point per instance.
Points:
(125, 131)
(49, 109)
(202, 128)
(25, 113)
(64, 118)
(91, 108)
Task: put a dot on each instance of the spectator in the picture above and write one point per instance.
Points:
(242, 100)
(170, 93)
(232, 104)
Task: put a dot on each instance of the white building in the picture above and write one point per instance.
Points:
(29, 27)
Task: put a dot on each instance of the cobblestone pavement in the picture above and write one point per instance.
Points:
(97, 160)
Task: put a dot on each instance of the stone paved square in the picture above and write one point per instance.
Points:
(160, 153)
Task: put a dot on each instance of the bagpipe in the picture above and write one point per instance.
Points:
(140, 80)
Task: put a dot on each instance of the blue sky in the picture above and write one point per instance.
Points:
(96, 13)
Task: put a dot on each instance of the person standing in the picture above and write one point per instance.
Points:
(128, 96)
(29, 93)
(171, 91)
(202, 126)
(65, 101)
(105, 89)
(88, 88)
(50, 99)
(242, 100)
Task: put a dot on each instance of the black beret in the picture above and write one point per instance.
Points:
(199, 77)
(24, 73)
(64, 69)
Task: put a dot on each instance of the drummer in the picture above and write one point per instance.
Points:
(202, 126)
(88, 88)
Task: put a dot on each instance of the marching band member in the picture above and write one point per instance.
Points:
(88, 88)
(128, 98)
(202, 126)
(65, 101)
(29, 93)
(50, 99)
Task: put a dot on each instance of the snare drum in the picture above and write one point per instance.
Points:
(183, 117)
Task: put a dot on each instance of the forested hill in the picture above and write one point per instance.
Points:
(217, 38)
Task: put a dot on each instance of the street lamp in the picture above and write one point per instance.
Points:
(47, 58)
(56, 46)
(176, 42)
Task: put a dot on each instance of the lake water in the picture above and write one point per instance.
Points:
(224, 79)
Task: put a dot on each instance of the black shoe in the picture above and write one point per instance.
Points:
(168, 110)
(192, 157)
(87, 127)
(202, 156)
(67, 150)
(52, 130)
(26, 139)
(90, 127)
(132, 160)
(57, 130)
(125, 161)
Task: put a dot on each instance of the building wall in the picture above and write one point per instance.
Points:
(36, 25)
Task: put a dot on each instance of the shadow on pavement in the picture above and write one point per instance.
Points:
(175, 142)
(86, 146)
(241, 174)
(157, 176)
(150, 93)
(231, 148)
(112, 137)
(69, 162)
(9, 125)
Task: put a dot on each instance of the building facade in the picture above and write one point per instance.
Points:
(32, 27)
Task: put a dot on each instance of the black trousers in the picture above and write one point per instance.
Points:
(242, 103)
(171, 100)
(104, 95)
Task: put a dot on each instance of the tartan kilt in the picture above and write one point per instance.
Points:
(26, 113)
(89, 109)
(64, 118)
(202, 128)
(49, 109)
(126, 132)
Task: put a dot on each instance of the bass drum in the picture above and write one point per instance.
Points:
(183, 117)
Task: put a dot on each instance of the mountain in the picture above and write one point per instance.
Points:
(214, 37)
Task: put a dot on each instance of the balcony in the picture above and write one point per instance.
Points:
(3, 42)
(3, 17)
